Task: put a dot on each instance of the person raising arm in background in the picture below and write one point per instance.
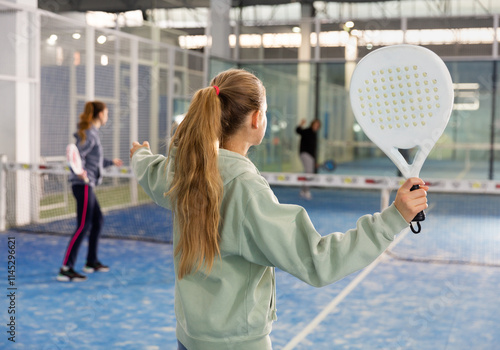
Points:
(308, 150)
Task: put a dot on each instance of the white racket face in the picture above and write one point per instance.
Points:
(73, 158)
(402, 97)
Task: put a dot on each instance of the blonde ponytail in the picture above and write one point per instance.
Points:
(197, 185)
(215, 113)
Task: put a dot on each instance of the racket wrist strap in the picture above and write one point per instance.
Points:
(419, 217)
(417, 229)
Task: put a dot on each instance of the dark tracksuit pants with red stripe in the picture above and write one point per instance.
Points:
(89, 218)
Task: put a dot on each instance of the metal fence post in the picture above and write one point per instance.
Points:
(3, 192)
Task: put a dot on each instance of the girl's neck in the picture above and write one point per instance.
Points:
(238, 147)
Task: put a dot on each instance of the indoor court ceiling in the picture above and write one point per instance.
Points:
(130, 5)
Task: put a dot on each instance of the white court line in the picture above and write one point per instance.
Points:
(466, 169)
(341, 296)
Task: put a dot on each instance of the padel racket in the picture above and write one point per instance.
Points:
(74, 160)
(402, 97)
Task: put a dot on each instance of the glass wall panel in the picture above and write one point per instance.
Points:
(462, 152)
(465, 144)
(496, 128)
(218, 65)
(290, 98)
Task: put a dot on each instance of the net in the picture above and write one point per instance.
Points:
(462, 224)
(48, 206)
(459, 228)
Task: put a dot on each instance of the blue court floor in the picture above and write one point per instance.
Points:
(394, 304)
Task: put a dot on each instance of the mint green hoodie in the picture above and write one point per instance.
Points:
(233, 307)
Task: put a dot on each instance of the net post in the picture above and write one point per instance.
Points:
(89, 63)
(134, 103)
(66, 189)
(134, 193)
(492, 128)
(384, 198)
(36, 192)
(495, 38)
(3, 193)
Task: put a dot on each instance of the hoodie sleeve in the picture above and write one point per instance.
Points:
(283, 236)
(107, 162)
(151, 173)
(85, 148)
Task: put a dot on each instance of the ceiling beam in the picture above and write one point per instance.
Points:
(117, 6)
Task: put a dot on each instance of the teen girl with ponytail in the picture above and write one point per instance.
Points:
(89, 215)
(230, 231)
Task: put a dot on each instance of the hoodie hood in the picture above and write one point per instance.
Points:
(231, 165)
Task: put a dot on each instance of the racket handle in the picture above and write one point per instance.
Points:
(419, 217)
(84, 177)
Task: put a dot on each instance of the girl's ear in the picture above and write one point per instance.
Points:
(255, 119)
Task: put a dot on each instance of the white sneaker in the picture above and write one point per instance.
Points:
(67, 274)
(97, 267)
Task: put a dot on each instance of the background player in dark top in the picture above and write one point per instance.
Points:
(308, 150)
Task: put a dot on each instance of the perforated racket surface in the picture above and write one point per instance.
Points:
(402, 97)
(74, 160)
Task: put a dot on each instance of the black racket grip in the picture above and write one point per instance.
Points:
(419, 217)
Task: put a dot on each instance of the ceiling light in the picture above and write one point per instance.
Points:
(101, 39)
(104, 60)
(52, 39)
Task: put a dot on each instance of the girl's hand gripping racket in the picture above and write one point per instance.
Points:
(75, 162)
(402, 97)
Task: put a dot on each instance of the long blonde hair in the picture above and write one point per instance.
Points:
(90, 112)
(215, 113)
